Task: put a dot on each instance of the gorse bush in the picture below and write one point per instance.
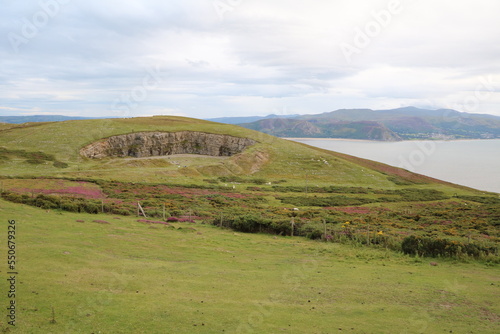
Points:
(316, 189)
(259, 181)
(435, 247)
(481, 199)
(417, 195)
(72, 204)
(325, 201)
(254, 223)
(322, 214)
(232, 178)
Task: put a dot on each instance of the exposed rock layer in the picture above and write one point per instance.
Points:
(147, 144)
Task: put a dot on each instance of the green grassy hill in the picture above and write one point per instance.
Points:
(84, 273)
(254, 190)
(281, 159)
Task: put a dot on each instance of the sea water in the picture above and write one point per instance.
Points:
(472, 163)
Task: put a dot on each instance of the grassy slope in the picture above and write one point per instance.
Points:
(128, 277)
(287, 160)
(64, 139)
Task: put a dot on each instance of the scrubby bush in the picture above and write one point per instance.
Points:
(312, 232)
(325, 201)
(69, 206)
(259, 181)
(283, 227)
(59, 164)
(35, 161)
(46, 201)
(231, 178)
(246, 223)
(417, 195)
(434, 247)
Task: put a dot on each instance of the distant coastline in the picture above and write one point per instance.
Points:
(389, 141)
(334, 139)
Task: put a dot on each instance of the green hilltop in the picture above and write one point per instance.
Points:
(279, 158)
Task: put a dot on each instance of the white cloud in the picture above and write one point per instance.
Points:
(262, 56)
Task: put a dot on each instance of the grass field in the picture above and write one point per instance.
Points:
(80, 276)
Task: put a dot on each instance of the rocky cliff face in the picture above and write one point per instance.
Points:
(146, 144)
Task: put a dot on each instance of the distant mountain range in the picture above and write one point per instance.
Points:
(40, 118)
(387, 125)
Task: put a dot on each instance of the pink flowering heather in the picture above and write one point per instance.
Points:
(84, 189)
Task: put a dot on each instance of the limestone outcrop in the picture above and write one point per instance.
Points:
(147, 144)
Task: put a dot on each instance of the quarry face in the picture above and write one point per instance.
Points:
(149, 144)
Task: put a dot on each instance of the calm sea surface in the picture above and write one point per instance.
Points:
(472, 163)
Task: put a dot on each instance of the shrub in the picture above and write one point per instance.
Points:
(46, 201)
(417, 195)
(35, 161)
(282, 227)
(325, 201)
(259, 181)
(312, 233)
(69, 206)
(90, 207)
(434, 247)
(246, 223)
(44, 204)
(59, 164)
(231, 179)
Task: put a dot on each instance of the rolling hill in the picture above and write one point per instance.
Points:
(64, 141)
(228, 175)
(312, 128)
(395, 124)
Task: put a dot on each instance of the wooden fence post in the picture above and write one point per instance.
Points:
(324, 225)
(139, 207)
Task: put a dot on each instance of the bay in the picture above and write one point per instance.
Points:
(472, 163)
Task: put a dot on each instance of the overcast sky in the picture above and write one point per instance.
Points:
(213, 58)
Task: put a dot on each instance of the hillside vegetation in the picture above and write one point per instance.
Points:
(273, 185)
(261, 235)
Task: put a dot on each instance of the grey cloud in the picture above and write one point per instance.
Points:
(259, 55)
